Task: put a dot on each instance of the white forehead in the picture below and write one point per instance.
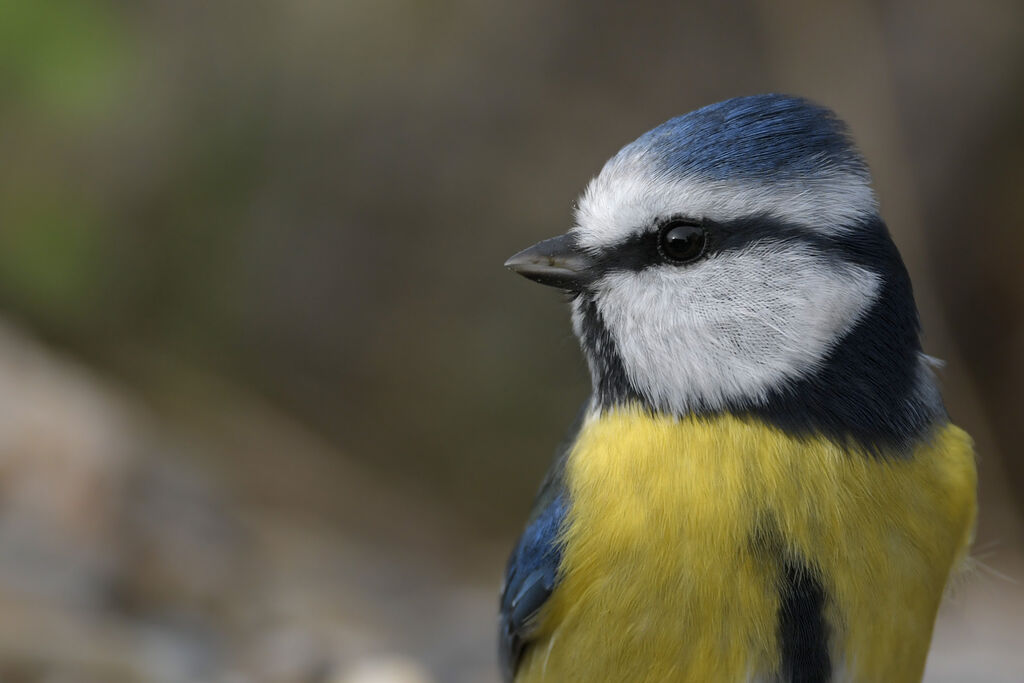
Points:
(632, 193)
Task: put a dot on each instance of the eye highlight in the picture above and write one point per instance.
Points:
(682, 242)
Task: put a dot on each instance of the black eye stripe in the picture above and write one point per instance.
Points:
(633, 254)
(641, 250)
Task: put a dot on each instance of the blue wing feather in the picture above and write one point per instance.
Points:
(529, 579)
(532, 570)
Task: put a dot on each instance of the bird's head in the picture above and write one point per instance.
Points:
(733, 258)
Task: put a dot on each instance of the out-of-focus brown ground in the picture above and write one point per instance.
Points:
(227, 546)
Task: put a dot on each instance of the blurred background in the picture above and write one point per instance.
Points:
(272, 410)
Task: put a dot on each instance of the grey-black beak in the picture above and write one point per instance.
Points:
(556, 262)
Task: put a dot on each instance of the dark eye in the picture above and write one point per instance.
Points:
(682, 242)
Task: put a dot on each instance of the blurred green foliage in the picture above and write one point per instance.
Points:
(62, 59)
(49, 258)
(62, 66)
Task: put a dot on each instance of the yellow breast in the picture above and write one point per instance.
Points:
(675, 534)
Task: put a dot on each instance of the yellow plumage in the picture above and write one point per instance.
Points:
(670, 568)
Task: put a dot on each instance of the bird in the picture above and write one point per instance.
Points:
(764, 484)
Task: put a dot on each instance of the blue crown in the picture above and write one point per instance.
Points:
(748, 138)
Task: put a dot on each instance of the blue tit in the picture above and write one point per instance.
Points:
(764, 484)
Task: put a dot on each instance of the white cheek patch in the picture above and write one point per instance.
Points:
(731, 327)
(629, 196)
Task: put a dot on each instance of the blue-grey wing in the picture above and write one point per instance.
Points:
(533, 568)
(530, 577)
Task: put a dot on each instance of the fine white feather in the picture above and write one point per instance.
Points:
(732, 326)
(631, 193)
